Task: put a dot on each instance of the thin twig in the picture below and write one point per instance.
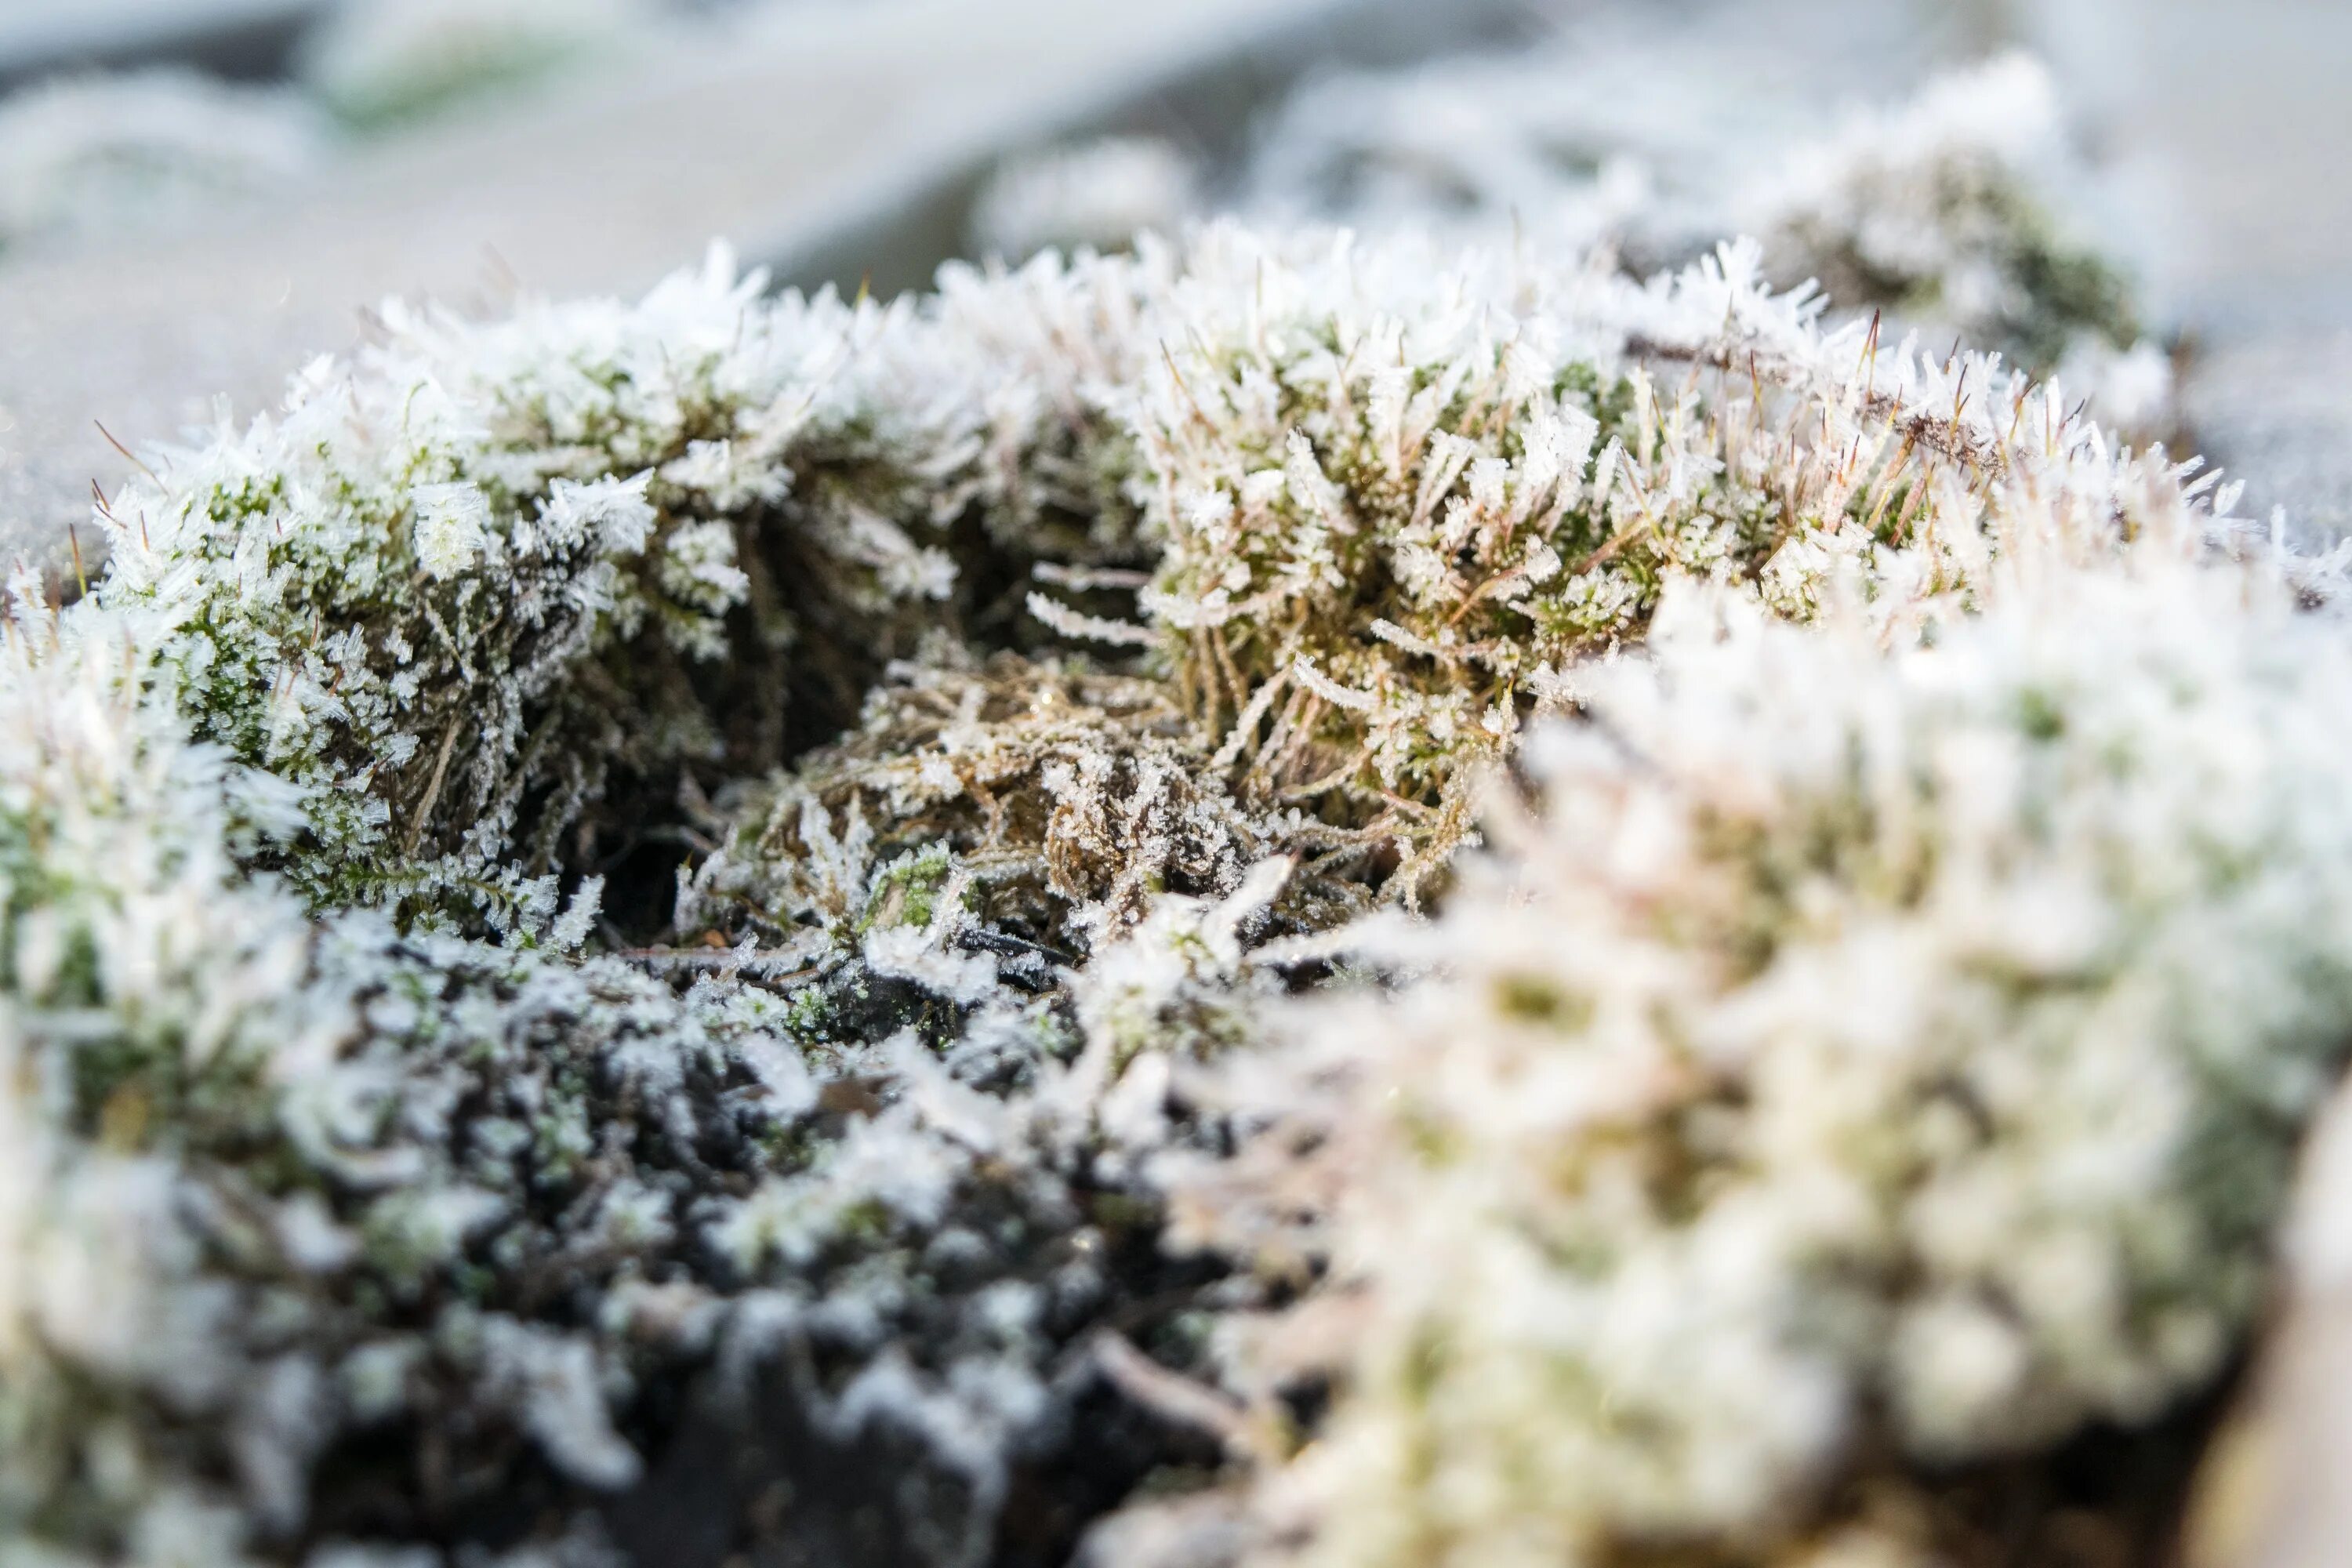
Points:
(433, 788)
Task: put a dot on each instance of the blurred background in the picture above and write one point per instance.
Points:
(197, 195)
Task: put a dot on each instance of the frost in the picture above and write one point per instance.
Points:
(1067, 799)
(579, 918)
(553, 1380)
(1528, 457)
(451, 527)
(515, 466)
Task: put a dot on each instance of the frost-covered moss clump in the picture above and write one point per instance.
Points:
(466, 589)
(1854, 1064)
(1946, 209)
(311, 1232)
(458, 582)
(1018, 684)
(1392, 514)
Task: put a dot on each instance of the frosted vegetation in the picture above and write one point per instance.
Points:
(1832, 1070)
(1270, 899)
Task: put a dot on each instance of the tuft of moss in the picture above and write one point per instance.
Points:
(1842, 1075)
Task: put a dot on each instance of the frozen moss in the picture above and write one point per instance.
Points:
(492, 572)
(1850, 1067)
(1952, 206)
(1392, 514)
(1945, 210)
(463, 578)
(831, 1227)
(312, 1232)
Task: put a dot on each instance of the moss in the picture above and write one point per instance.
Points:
(374, 1127)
